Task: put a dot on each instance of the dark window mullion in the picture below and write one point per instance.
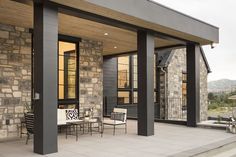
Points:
(157, 82)
(131, 78)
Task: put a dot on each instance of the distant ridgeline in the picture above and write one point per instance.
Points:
(223, 85)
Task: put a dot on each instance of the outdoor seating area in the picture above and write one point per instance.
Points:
(70, 121)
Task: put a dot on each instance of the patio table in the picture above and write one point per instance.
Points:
(89, 122)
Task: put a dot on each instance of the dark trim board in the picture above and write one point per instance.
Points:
(135, 52)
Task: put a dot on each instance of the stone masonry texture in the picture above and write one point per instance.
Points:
(173, 109)
(15, 77)
(91, 75)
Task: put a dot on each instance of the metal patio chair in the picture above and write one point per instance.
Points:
(118, 117)
(29, 123)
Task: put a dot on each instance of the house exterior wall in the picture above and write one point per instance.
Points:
(203, 91)
(175, 71)
(15, 76)
(91, 75)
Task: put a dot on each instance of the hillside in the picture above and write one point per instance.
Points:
(223, 85)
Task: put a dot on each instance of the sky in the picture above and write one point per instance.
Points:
(220, 13)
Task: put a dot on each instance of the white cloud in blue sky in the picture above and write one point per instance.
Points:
(221, 13)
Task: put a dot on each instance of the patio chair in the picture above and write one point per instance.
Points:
(29, 123)
(118, 117)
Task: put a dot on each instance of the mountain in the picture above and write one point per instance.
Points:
(223, 85)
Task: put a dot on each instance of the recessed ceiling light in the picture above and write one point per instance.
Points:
(115, 47)
(106, 34)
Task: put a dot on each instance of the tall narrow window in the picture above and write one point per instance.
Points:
(135, 79)
(123, 72)
(124, 80)
(67, 71)
(155, 78)
(135, 72)
(184, 90)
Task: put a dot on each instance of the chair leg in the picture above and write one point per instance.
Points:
(27, 139)
(102, 129)
(126, 128)
(114, 130)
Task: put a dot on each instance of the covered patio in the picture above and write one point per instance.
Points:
(96, 29)
(169, 140)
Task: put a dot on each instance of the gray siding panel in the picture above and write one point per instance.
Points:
(109, 84)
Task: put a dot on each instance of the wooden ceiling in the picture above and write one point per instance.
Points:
(19, 14)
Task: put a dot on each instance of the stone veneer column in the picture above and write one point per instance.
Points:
(91, 75)
(15, 77)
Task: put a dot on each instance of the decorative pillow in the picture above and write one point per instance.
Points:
(72, 115)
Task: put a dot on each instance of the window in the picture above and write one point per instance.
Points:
(184, 89)
(123, 98)
(135, 72)
(155, 78)
(123, 72)
(128, 80)
(124, 88)
(67, 74)
(135, 97)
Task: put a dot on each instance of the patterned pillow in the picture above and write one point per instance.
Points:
(72, 115)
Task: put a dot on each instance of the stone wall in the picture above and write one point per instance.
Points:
(91, 75)
(15, 77)
(174, 84)
(203, 91)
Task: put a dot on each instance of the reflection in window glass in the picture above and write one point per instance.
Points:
(123, 98)
(155, 85)
(71, 106)
(135, 97)
(184, 89)
(123, 72)
(67, 70)
(135, 72)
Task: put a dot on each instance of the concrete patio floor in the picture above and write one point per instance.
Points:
(169, 140)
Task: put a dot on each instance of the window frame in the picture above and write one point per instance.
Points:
(70, 101)
(184, 81)
(131, 88)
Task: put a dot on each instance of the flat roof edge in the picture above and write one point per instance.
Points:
(178, 12)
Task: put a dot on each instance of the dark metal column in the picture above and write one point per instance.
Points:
(45, 78)
(193, 84)
(145, 83)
